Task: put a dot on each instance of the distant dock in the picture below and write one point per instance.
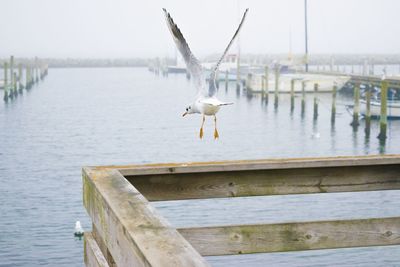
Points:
(127, 231)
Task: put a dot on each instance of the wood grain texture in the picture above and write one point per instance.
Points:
(133, 232)
(93, 256)
(243, 239)
(267, 182)
(247, 165)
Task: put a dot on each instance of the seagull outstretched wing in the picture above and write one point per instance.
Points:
(192, 64)
(212, 86)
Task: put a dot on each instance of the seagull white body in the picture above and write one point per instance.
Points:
(206, 102)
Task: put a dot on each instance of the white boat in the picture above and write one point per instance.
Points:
(229, 64)
(393, 109)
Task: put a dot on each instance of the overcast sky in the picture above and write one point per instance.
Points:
(128, 28)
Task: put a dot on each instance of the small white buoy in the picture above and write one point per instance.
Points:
(78, 229)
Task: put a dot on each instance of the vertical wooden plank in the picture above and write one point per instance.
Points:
(92, 255)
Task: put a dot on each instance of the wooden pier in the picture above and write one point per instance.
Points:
(128, 231)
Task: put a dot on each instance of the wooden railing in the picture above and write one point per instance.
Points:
(127, 231)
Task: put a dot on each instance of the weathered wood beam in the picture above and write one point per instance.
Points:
(93, 256)
(243, 239)
(267, 182)
(133, 232)
(247, 165)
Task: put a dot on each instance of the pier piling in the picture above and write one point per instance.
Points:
(333, 109)
(20, 85)
(383, 118)
(356, 109)
(11, 87)
(238, 72)
(27, 78)
(262, 87)
(266, 72)
(14, 78)
(226, 80)
(315, 116)
(5, 82)
(276, 98)
(249, 81)
(292, 95)
(303, 98)
(368, 110)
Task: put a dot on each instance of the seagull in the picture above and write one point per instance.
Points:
(206, 102)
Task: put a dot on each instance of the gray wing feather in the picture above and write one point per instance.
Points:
(212, 85)
(192, 64)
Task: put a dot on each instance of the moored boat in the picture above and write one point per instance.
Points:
(393, 109)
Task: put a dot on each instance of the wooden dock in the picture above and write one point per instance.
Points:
(376, 80)
(128, 231)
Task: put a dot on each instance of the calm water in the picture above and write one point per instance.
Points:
(80, 117)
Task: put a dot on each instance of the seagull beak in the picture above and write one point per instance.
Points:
(184, 114)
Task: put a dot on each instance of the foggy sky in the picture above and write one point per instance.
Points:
(128, 28)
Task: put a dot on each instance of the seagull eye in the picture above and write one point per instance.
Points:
(187, 109)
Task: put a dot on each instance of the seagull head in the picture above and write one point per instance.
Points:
(189, 110)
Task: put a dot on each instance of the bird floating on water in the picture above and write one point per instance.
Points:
(206, 102)
(78, 229)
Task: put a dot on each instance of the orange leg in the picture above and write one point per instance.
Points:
(216, 135)
(201, 129)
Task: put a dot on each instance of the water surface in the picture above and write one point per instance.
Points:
(79, 117)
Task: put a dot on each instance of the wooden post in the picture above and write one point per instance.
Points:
(262, 87)
(217, 80)
(356, 109)
(315, 101)
(14, 78)
(27, 78)
(5, 82)
(292, 95)
(238, 72)
(383, 117)
(368, 110)
(32, 75)
(36, 70)
(249, 82)
(303, 98)
(266, 70)
(276, 98)
(20, 85)
(11, 91)
(226, 80)
(333, 110)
